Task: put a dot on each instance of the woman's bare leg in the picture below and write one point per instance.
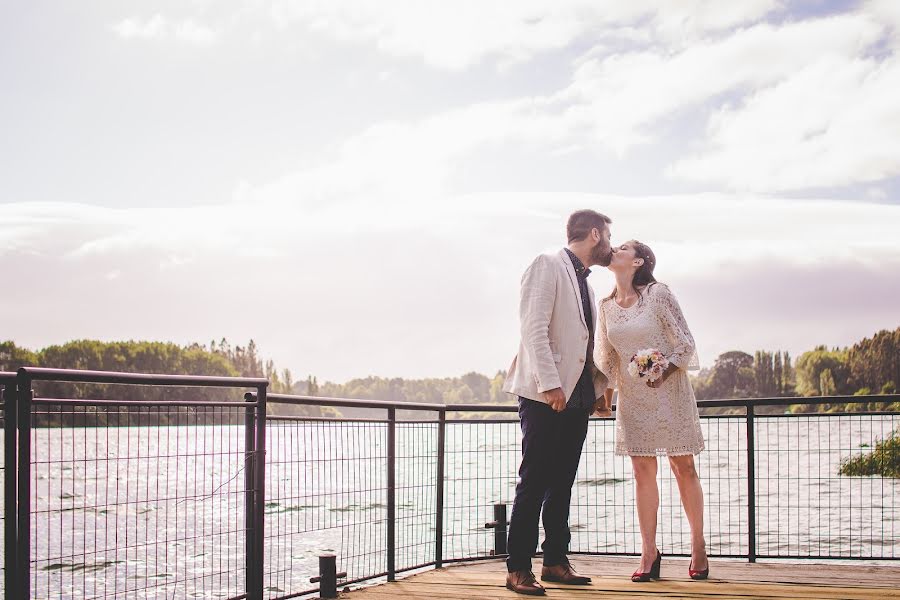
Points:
(647, 494)
(692, 499)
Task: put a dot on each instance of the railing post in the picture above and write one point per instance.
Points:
(249, 498)
(500, 531)
(499, 526)
(751, 484)
(23, 482)
(260, 506)
(439, 491)
(391, 493)
(328, 576)
(10, 514)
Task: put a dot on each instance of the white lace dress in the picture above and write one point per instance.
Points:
(660, 421)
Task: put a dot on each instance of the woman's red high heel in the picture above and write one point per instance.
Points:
(698, 575)
(639, 577)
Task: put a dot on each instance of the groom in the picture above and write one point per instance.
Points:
(558, 388)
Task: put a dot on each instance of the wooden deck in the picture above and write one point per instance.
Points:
(611, 579)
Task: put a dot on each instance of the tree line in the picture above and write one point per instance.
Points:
(218, 359)
(871, 366)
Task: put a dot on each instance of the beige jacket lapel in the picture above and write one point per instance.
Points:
(573, 279)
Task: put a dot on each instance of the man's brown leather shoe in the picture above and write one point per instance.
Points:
(564, 574)
(524, 582)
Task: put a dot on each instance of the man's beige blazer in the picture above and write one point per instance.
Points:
(554, 331)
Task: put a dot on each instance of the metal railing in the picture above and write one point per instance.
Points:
(771, 487)
(10, 517)
(126, 498)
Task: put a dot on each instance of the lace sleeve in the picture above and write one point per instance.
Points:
(605, 356)
(684, 353)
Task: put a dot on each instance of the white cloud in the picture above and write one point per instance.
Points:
(410, 161)
(195, 33)
(459, 34)
(835, 122)
(332, 290)
(688, 20)
(621, 97)
(159, 28)
(154, 27)
(887, 12)
(345, 242)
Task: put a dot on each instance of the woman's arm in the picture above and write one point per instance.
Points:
(671, 318)
(606, 359)
(684, 352)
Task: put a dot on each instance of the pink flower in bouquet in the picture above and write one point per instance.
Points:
(649, 363)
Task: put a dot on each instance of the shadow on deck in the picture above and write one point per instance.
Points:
(611, 579)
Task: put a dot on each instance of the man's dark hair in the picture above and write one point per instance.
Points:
(582, 221)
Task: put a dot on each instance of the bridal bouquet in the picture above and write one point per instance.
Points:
(649, 363)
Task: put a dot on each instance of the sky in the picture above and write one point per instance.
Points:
(359, 185)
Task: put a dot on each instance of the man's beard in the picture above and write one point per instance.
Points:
(601, 254)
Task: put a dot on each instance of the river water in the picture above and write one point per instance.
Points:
(159, 512)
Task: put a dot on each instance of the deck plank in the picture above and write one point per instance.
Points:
(730, 579)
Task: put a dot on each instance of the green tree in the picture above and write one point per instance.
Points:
(811, 365)
(778, 373)
(826, 383)
(12, 357)
(764, 374)
(876, 361)
(732, 376)
(480, 386)
(498, 396)
(788, 378)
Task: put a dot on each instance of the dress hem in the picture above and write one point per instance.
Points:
(660, 452)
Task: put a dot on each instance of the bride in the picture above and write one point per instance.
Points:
(658, 418)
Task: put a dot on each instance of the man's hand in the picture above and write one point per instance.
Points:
(556, 399)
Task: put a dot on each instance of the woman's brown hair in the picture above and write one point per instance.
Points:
(644, 275)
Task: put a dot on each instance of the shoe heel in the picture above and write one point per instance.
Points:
(657, 566)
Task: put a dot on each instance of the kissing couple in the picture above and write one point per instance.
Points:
(573, 354)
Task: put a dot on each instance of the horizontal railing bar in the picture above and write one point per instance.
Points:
(686, 555)
(486, 421)
(350, 402)
(675, 554)
(726, 403)
(333, 419)
(482, 407)
(79, 376)
(486, 557)
(867, 413)
(828, 557)
(308, 592)
(780, 401)
(83, 402)
(112, 377)
(299, 419)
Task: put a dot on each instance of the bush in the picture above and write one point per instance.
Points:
(884, 460)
